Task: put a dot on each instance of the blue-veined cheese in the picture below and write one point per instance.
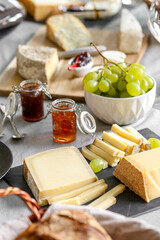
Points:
(68, 32)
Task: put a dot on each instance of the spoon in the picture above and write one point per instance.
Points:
(8, 109)
(16, 135)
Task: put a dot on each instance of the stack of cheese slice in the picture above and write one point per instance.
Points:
(141, 173)
(115, 145)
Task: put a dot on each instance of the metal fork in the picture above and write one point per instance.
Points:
(154, 19)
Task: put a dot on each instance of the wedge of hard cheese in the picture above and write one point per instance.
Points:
(141, 173)
(130, 33)
(56, 171)
(36, 63)
(41, 9)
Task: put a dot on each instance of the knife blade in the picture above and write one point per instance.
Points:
(76, 51)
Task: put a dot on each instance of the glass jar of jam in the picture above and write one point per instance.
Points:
(64, 120)
(31, 92)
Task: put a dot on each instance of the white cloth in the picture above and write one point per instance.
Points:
(117, 226)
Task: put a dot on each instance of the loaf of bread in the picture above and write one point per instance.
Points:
(36, 63)
(41, 9)
(66, 225)
(68, 31)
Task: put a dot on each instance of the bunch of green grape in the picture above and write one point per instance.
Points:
(118, 81)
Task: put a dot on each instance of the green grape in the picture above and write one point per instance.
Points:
(91, 86)
(140, 66)
(121, 85)
(125, 94)
(115, 85)
(103, 86)
(144, 85)
(142, 92)
(150, 81)
(112, 91)
(129, 77)
(133, 89)
(116, 71)
(155, 143)
(98, 92)
(122, 66)
(137, 82)
(96, 165)
(113, 77)
(90, 76)
(136, 72)
(106, 72)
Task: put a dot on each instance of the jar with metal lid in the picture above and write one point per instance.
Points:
(64, 120)
(66, 117)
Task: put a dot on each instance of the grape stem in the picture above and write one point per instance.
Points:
(106, 59)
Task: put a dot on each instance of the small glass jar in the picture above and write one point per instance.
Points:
(64, 120)
(31, 92)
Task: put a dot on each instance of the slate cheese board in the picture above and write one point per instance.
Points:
(128, 203)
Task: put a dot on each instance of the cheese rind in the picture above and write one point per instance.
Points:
(38, 63)
(141, 173)
(68, 32)
(130, 33)
(46, 176)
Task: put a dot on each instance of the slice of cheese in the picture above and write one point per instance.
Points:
(68, 32)
(92, 193)
(106, 203)
(91, 156)
(115, 152)
(74, 192)
(112, 139)
(87, 195)
(123, 133)
(112, 161)
(141, 173)
(111, 193)
(41, 9)
(70, 201)
(146, 144)
(132, 147)
(130, 33)
(38, 63)
(57, 171)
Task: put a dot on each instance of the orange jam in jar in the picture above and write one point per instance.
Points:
(31, 93)
(64, 120)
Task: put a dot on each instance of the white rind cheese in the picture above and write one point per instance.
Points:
(130, 33)
(36, 63)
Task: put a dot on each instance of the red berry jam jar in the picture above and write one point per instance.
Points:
(31, 92)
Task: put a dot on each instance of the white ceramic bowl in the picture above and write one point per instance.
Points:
(122, 111)
(81, 71)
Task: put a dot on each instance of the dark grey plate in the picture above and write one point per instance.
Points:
(6, 159)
